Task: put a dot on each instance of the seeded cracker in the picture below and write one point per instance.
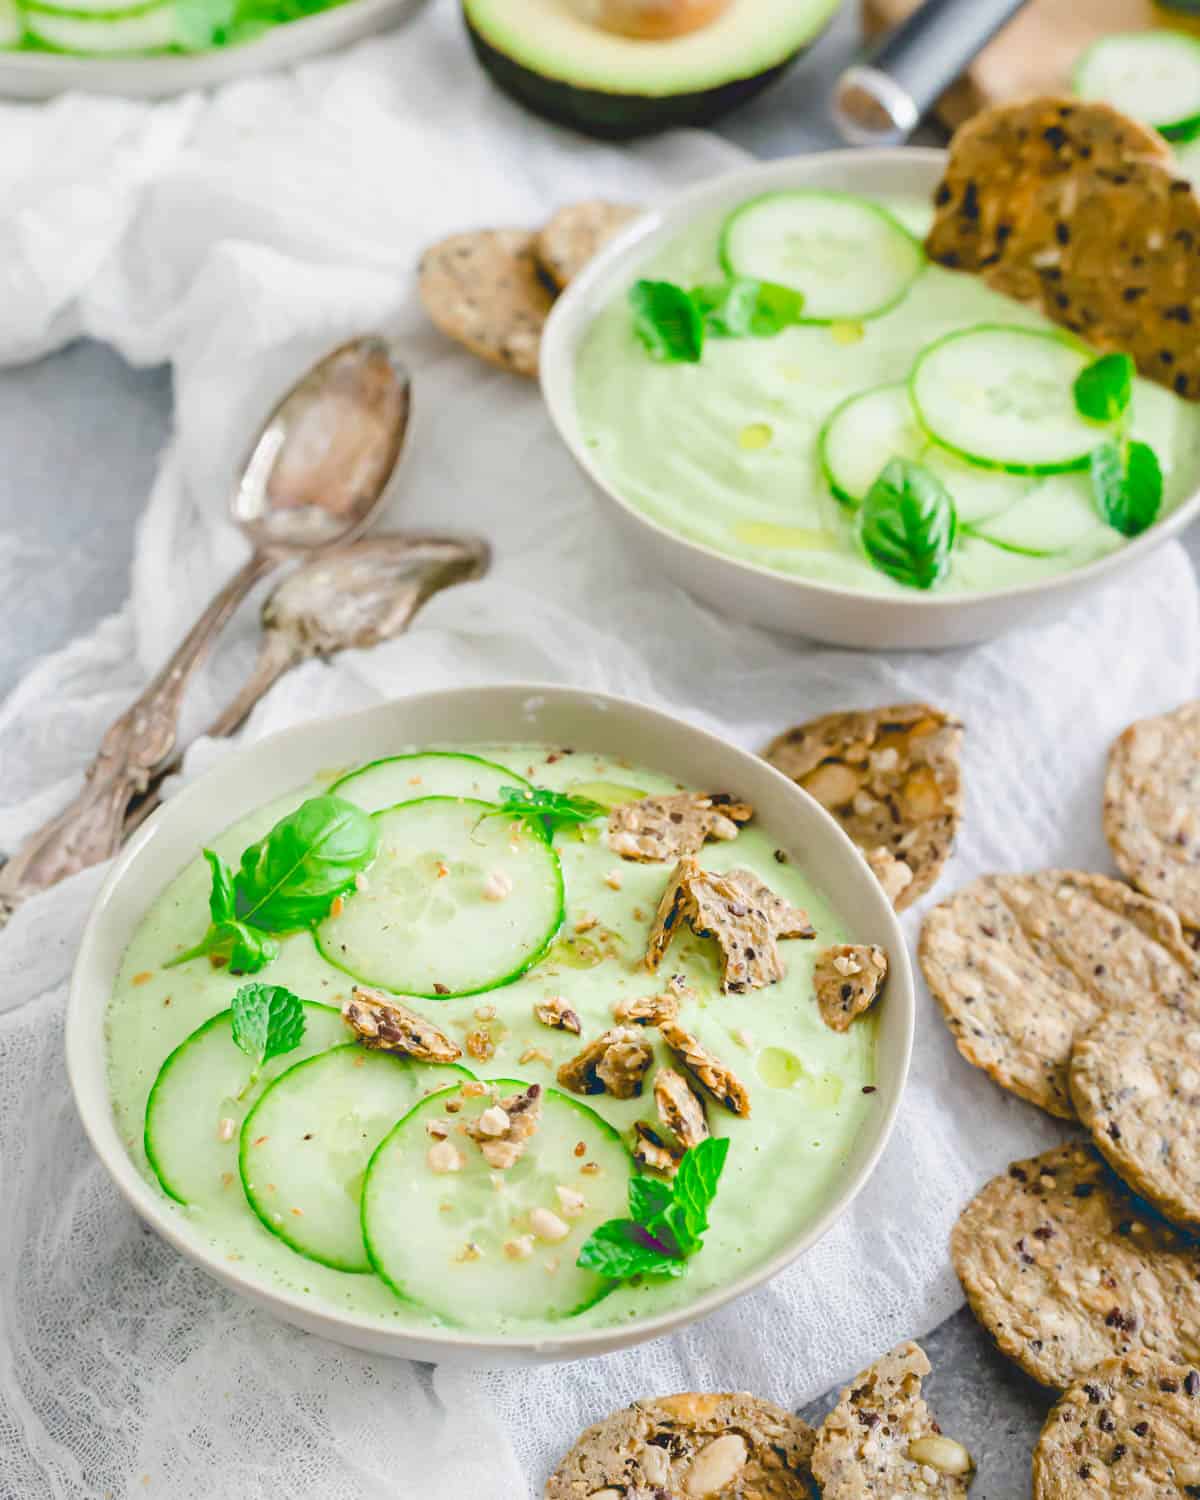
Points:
(615, 1062)
(704, 1447)
(745, 917)
(661, 828)
(1135, 1081)
(1129, 1428)
(385, 1025)
(718, 1081)
(1152, 808)
(484, 290)
(1076, 210)
(1065, 1269)
(890, 776)
(1023, 964)
(576, 233)
(680, 1108)
(847, 980)
(880, 1441)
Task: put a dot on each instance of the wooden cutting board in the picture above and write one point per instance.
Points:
(1033, 54)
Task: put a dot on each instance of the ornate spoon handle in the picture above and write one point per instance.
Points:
(135, 745)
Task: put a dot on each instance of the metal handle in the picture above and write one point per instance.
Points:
(879, 100)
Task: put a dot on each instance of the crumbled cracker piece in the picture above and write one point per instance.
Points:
(847, 979)
(660, 828)
(385, 1025)
(647, 1010)
(890, 776)
(484, 289)
(576, 232)
(652, 1151)
(680, 1108)
(505, 1128)
(616, 1061)
(710, 1072)
(556, 1013)
(745, 917)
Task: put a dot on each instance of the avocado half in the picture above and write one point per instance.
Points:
(544, 55)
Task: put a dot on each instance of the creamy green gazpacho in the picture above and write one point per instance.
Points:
(792, 384)
(395, 1043)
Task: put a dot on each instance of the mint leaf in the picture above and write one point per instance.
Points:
(907, 524)
(618, 1248)
(1104, 389)
(228, 939)
(745, 308)
(547, 810)
(1128, 485)
(648, 1198)
(291, 878)
(267, 1021)
(696, 1183)
(667, 321)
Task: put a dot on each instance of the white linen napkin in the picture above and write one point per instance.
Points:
(238, 237)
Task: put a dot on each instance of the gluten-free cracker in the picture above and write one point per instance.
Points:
(656, 829)
(484, 289)
(847, 979)
(576, 232)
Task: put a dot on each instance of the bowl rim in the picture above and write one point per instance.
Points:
(91, 982)
(556, 375)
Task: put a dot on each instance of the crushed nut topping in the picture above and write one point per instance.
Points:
(555, 1012)
(680, 1108)
(546, 1224)
(519, 1249)
(661, 828)
(444, 1156)
(744, 916)
(647, 1010)
(708, 1071)
(570, 1202)
(480, 1044)
(650, 1150)
(498, 886)
(615, 1061)
(387, 1026)
(502, 1147)
(847, 980)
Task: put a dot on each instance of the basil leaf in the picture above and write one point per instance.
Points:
(1104, 389)
(745, 308)
(547, 810)
(696, 1182)
(291, 877)
(907, 524)
(667, 321)
(267, 1021)
(1128, 484)
(648, 1198)
(618, 1248)
(228, 939)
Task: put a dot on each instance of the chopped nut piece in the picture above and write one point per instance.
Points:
(847, 980)
(387, 1026)
(709, 1072)
(716, 1467)
(226, 1129)
(480, 1044)
(650, 1150)
(613, 880)
(555, 1012)
(492, 1122)
(473, 1088)
(616, 1060)
(498, 886)
(535, 1054)
(547, 1225)
(571, 1202)
(438, 1129)
(522, 1113)
(519, 1249)
(485, 1012)
(587, 922)
(893, 874)
(745, 917)
(680, 1108)
(444, 1156)
(470, 1251)
(941, 1453)
(647, 1010)
(661, 828)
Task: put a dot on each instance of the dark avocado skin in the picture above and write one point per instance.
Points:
(617, 117)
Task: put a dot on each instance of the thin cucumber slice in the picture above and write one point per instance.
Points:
(1003, 397)
(305, 1145)
(424, 924)
(1056, 517)
(865, 431)
(1152, 75)
(433, 773)
(850, 257)
(131, 31)
(462, 1246)
(194, 1111)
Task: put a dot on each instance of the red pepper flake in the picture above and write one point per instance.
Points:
(338, 906)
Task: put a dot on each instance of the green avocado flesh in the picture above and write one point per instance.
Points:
(269, 1172)
(544, 54)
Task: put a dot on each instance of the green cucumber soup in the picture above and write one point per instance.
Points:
(765, 446)
(341, 1098)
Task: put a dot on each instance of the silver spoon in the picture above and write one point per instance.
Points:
(317, 473)
(358, 596)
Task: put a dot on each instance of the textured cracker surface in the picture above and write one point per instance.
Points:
(576, 232)
(484, 290)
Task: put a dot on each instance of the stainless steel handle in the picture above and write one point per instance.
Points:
(879, 100)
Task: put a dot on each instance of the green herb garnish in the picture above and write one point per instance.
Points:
(744, 308)
(1104, 389)
(907, 524)
(1126, 476)
(667, 1220)
(548, 810)
(667, 321)
(267, 1021)
(244, 948)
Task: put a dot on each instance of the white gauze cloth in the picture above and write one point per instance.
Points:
(238, 237)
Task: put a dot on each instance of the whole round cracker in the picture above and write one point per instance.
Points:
(1152, 808)
(1135, 1083)
(863, 1446)
(484, 290)
(891, 778)
(576, 232)
(666, 1446)
(1022, 964)
(1064, 1268)
(1129, 1428)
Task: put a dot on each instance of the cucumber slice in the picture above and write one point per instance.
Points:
(418, 1224)
(305, 1145)
(1152, 75)
(1056, 517)
(868, 429)
(849, 256)
(433, 773)
(424, 926)
(150, 29)
(1003, 397)
(196, 1093)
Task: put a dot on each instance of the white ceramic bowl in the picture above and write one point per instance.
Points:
(844, 617)
(552, 715)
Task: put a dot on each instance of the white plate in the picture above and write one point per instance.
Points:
(512, 712)
(844, 617)
(41, 75)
